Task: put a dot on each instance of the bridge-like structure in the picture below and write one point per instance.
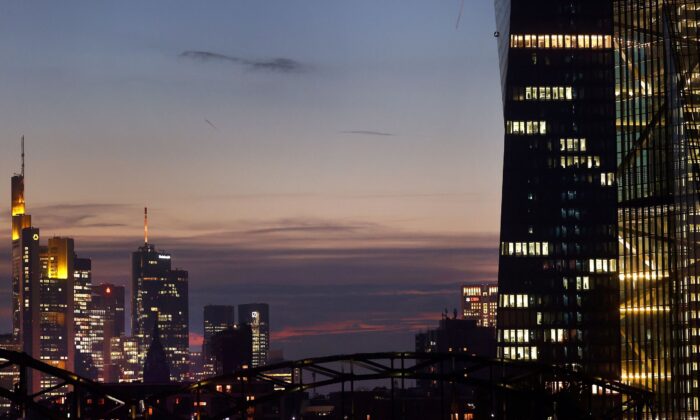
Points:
(509, 389)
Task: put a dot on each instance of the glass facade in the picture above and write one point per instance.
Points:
(257, 316)
(162, 292)
(659, 169)
(558, 280)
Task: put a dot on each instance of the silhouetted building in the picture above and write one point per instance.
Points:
(558, 280)
(232, 349)
(159, 289)
(257, 316)
(156, 369)
(216, 318)
(480, 303)
(20, 279)
(456, 336)
(658, 186)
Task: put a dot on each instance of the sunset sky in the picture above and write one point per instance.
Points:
(340, 160)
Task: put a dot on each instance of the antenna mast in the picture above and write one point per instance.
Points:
(22, 156)
(145, 225)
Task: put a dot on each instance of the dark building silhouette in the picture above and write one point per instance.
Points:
(216, 318)
(157, 288)
(558, 270)
(456, 336)
(156, 369)
(232, 348)
(257, 316)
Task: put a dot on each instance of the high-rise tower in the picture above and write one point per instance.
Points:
(20, 220)
(159, 291)
(557, 279)
(257, 316)
(658, 106)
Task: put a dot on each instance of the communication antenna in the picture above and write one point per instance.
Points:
(145, 225)
(22, 156)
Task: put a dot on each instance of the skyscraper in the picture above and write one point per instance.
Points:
(160, 291)
(20, 221)
(558, 282)
(108, 312)
(658, 191)
(216, 318)
(480, 303)
(82, 295)
(257, 316)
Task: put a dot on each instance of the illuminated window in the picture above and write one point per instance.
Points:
(514, 301)
(526, 127)
(607, 179)
(525, 249)
(543, 93)
(602, 265)
(572, 145)
(584, 41)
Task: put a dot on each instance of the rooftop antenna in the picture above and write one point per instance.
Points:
(22, 156)
(145, 225)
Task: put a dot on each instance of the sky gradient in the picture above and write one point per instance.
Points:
(340, 160)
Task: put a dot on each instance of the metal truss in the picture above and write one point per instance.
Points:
(502, 379)
(28, 405)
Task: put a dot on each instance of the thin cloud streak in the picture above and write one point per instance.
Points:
(280, 64)
(369, 133)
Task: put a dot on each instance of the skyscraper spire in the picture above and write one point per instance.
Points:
(145, 225)
(22, 156)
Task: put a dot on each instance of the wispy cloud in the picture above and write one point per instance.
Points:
(368, 133)
(279, 64)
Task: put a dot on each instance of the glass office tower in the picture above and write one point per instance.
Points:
(658, 107)
(557, 279)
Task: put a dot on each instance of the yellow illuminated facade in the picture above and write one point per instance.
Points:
(658, 177)
(480, 303)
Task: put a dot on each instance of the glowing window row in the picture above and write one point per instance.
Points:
(607, 179)
(526, 127)
(556, 335)
(561, 41)
(549, 93)
(516, 336)
(514, 301)
(602, 265)
(520, 353)
(572, 145)
(579, 162)
(524, 249)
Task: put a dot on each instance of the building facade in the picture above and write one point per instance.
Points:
(658, 104)
(82, 296)
(480, 303)
(161, 292)
(257, 316)
(108, 318)
(557, 280)
(216, 318)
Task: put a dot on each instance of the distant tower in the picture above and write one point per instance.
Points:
(257, 316)
(158, 288)
(155, 368)
(20, 221)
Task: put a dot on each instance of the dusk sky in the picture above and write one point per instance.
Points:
(340, 160)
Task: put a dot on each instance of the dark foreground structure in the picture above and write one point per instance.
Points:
(469, 387)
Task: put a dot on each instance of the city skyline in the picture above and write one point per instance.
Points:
(417, 227)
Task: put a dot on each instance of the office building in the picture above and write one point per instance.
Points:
(108, 315)
(20, 220)
(558, 281)
(232, 349)
(160, 292)
(658, 183)
(216, 318)
(82, 297)
(480, 303)
(257, 316)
